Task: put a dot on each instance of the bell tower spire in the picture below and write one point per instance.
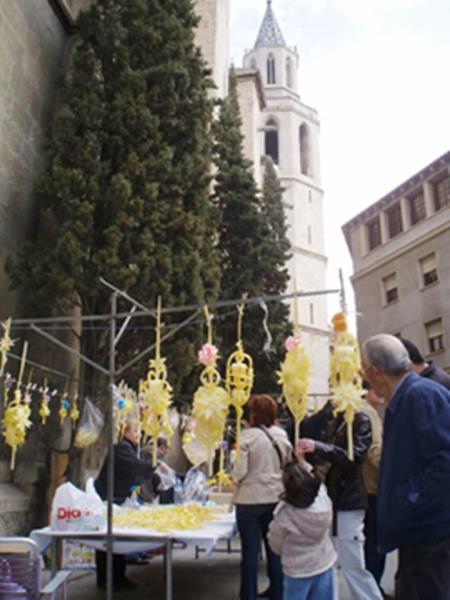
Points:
(270, 32)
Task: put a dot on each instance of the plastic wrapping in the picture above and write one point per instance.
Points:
(195, 486)
(90, 425)
(167, 476)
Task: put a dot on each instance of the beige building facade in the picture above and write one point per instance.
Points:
(400, 249)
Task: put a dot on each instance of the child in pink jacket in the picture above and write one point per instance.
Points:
(300, 534)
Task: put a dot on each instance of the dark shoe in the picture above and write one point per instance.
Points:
(265, 594)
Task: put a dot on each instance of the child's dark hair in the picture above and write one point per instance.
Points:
(300, 486)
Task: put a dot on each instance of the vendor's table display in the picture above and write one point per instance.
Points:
(151, 527)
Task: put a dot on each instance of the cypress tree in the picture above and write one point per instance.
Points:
(252, 249)
(276, 254)
(125, 195)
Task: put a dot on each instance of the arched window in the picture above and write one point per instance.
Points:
(253, 64)
(305, 150)
(271, 140)
(288, 73)
(271, 69)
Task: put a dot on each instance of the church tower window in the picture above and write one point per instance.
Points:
(271, 140)
(305, 150)
(271, 69)
(253, 64)
(288, 73)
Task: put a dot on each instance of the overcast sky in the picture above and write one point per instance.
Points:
(378, 72)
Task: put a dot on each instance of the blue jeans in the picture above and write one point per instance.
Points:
(253, 524)
(319, 587)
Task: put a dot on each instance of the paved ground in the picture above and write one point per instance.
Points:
(206, 578)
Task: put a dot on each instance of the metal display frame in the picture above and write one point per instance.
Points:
(112, 372)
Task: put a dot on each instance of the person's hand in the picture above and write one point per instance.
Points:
(305, 446)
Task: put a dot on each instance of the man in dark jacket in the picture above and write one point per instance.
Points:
(129, 471)
(424, 368)
(414, 483)
(324, 439)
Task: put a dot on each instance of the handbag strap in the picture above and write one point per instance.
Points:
(274, 444)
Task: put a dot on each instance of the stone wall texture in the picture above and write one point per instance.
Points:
(32, 41)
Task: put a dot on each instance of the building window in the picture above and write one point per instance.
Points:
(417, 208)
(288, 73)
(310, 196)
(373, 232)
(271, 69)
(305, 150)
(428, 269)
(309, 235)
(390, 289)
(441, 192)
(394, 220)
(311, 313)
(435, 335)
(253, 64)
(271, 140)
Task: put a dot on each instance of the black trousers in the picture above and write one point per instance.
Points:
(424, 571)
(375, 560)
(119, 566)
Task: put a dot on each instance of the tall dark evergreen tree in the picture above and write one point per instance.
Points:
(276, 256)
(126, 191)
(252, 248)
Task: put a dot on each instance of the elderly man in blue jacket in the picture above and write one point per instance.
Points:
(414, 485)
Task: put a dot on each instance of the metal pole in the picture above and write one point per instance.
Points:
(54, 564)
(177, 309)
(69, 349)
(169, 574)
(110, 478)
(343, 299)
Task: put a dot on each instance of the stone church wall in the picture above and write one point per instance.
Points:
(213, 38)
(31, 49)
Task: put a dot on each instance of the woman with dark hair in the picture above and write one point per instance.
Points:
(300, 534)
(265, 449)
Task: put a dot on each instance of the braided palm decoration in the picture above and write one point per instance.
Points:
(346, 382)
(239, 379)
(155, 395)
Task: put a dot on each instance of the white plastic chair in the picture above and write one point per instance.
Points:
(20, 570)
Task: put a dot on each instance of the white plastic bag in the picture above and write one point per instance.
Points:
(90, 426)
(194, 487)
(75, 510)
(167, 477)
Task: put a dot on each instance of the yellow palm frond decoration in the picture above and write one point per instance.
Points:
(346, 382)
(295, 372)
(239, 379)
(210, 405)
(6, 343)
(16, 419)
(155, 394)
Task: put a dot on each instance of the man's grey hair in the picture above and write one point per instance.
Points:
(387, 353)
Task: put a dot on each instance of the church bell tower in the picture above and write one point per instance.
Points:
(289, 133)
